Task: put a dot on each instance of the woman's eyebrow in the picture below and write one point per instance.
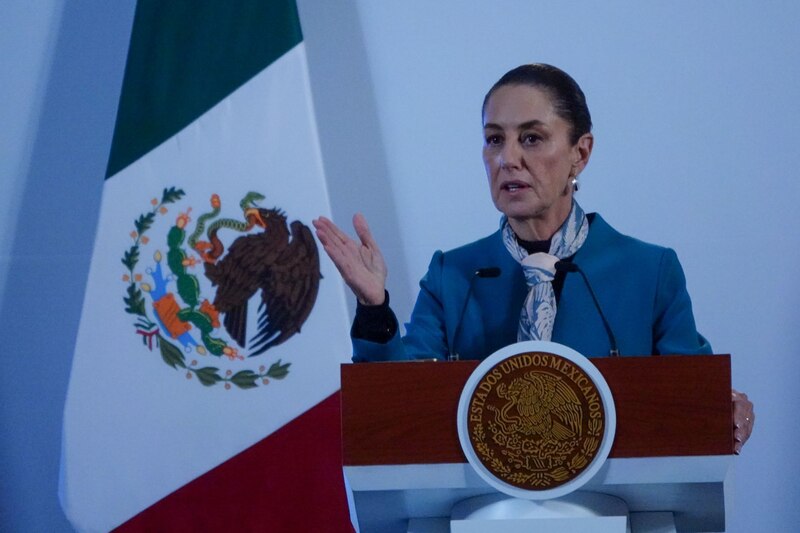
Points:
(523, 126)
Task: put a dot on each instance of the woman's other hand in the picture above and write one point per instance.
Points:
(743, 419)
(361, 264)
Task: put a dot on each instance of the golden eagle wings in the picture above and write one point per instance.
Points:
(546, 406)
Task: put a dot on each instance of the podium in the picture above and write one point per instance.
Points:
(670, 461)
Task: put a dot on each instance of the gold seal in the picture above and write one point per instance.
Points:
(535, 420)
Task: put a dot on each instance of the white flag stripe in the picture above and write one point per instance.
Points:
(136, 429)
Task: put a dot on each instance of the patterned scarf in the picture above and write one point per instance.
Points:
(539, 311)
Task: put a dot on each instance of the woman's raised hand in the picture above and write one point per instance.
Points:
(361, 264)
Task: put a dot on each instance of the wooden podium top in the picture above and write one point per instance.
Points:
(405, 413)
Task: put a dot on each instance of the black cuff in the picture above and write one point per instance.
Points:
(374, 323)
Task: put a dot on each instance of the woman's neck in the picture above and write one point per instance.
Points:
(538, 228)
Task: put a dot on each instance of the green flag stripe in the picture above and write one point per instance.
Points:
(203, 50)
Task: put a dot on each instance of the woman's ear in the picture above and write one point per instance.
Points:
(582, 152)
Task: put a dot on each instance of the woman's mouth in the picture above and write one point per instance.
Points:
(514, 186)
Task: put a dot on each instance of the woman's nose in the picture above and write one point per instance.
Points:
(510, 155)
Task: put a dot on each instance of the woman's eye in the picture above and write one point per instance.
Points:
(530, 138)
(493, 140)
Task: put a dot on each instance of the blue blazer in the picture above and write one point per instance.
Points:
(641, 289)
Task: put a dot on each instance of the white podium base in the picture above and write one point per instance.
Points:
(420, 498)
(574, 513)
(639, 522)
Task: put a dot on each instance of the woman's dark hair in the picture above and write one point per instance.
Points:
(565, 93)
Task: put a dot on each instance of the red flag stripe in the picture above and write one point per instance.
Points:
(290, 481)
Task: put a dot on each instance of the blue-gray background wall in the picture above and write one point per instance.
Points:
(60, 77)
(695, 109)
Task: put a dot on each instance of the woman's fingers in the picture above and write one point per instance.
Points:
(335, 243)
(329, 233)
(360, 264)
(363, 232)
(370, 251)
(743, 419)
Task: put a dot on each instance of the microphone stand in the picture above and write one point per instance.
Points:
(486, 272)
(567, 266)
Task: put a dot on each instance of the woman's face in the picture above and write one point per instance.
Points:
(530, 160)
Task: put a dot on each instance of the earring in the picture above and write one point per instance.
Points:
(575, 184)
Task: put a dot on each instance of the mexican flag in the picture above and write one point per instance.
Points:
(204, 387)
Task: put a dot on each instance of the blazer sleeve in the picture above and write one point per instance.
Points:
(426, 331)
(674, 329)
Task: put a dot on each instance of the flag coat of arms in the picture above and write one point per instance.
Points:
(203, 392)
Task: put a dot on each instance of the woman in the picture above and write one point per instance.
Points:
(506, 287)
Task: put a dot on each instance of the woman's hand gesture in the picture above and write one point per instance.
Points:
(361, 264)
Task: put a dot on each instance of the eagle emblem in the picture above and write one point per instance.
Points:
(536, 420)
(540, 405)
(195, 297)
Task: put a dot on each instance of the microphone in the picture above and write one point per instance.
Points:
(485, 272)
(568, 266)
(488, 272)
